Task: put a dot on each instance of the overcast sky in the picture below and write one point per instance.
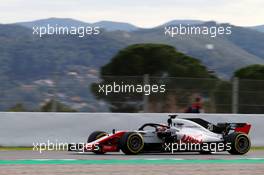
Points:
(144, 13)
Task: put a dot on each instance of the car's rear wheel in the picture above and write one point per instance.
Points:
(239, 142)
(131, 143)
(94, 136)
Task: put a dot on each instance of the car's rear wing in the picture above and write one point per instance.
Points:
(222, 127)
(238, 127)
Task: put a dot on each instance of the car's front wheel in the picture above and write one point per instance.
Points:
(94, 136)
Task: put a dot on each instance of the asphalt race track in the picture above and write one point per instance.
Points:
(61, 162)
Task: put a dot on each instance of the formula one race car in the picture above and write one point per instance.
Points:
(189, 134)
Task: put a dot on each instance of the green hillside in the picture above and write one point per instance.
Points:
(28, 62)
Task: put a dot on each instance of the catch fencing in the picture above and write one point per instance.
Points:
(81, 93)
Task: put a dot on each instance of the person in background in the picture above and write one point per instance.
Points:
(196, 106)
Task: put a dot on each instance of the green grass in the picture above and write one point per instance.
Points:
(256, 148)
(15, 148)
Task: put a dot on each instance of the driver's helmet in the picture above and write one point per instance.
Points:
(161, 128)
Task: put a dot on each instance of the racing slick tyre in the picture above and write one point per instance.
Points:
(240, 143)
(94, 136)
(131, 143)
